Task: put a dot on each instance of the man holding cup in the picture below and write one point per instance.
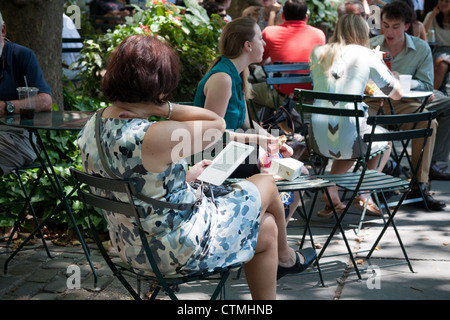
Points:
(19, 67)
(412, 56)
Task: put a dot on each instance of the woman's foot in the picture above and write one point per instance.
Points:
(371, 208)
(304, 258)
(328, 211)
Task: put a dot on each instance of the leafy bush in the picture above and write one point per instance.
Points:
(190, 32)
(323, 12)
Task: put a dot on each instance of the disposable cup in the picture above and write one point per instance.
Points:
(405, 82)
(27, 97)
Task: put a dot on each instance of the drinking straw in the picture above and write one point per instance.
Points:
(28, 92)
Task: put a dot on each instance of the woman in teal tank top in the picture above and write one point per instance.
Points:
(225, 87)
(236, 108)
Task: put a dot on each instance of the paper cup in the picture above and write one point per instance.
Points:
(405, 81)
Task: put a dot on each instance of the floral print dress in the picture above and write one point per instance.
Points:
(210, 236)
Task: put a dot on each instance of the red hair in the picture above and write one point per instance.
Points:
(141, 68)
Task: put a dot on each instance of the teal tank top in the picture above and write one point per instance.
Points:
(235, 114)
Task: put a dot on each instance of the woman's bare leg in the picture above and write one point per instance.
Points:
(441, 67)
(271, 203)
(272, 249)
(293, 206)
(373, 163)
(342, 166)
(261, 270)
(377, 164)
(338, 167)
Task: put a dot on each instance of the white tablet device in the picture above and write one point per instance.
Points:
(225, 163)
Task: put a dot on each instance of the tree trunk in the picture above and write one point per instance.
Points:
(37, 24)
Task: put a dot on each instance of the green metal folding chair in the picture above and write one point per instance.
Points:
(128, 209)
(398, 156)
(366, 181)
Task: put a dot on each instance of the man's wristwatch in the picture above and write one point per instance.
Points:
(9, 107)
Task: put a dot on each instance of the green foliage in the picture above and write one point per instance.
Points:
(323, 11)
(189, 31)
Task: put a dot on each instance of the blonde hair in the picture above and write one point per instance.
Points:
(1, 19)
(350, 29)
(231, 45)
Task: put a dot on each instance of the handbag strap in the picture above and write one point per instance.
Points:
(154, 202)
(250, 120)
(269, 123)
(101, 153)
(291, 118)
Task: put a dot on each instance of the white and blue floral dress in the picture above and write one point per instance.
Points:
(210, 236)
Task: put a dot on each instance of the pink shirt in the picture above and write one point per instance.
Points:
(291, 41)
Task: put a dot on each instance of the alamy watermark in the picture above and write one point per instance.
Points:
(374, 280)
(74, 13)
(374, 19)
(74, 277)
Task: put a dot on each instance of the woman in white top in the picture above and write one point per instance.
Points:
(439, 20)
(345, 65)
